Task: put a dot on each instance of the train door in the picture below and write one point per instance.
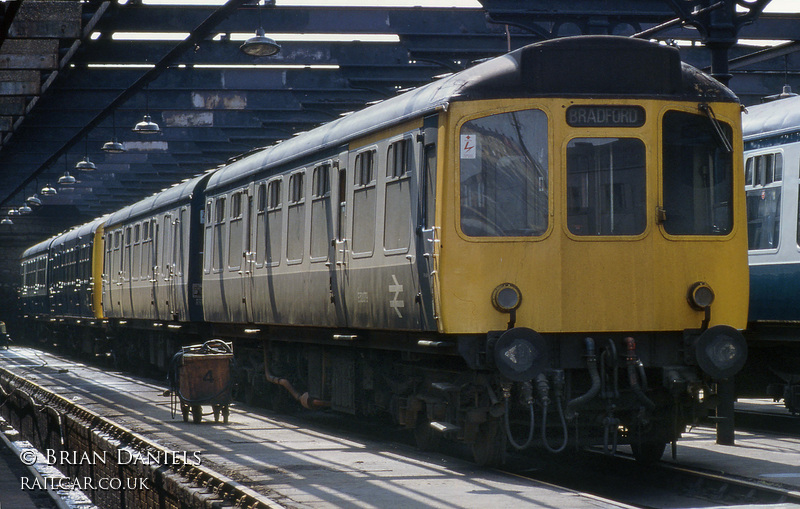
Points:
(249, 257)
(339, 258)
(426, 241)
(155, 265)
(164, 288)
(175, 268)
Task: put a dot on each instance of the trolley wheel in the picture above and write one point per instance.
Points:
(185, 412)
(648, 451)
(216, 413)
(197, 414)
(489, 447)
(225, 414)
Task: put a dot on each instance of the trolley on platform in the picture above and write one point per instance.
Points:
(201, 375)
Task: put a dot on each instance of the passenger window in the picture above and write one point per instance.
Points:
(321, 220)
(295, 243)
(748, 172)
(397, 158)
(236, 231)
(261, 198)
(220, 209)
(322, 182)
(260, 224)
(220, 236)
(397, 214)
(365, 171)
(763, 195)
(274, 235)
(137, 252)
(364, 204)
(274, 194)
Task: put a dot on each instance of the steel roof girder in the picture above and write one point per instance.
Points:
(319, 19)
(49, 19)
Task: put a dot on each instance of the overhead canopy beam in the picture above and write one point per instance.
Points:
(197, 35)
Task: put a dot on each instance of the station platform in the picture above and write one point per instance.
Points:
(758, 456)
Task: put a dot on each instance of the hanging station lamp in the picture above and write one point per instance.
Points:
(85, 164)
(49, 190)
(33, 200)
(66, 179)
(147, 126)
(260, 45)
(113, 146)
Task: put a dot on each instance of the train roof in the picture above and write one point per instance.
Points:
(37, 249)
(570, 66)
(169, 197)
(63, 237)
(79, 232)
(774, 118)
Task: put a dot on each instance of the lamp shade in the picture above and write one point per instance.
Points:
(33, 200)
(66, 179)
(146, 126)
(113, 147)
(260, 45)
(85, 164)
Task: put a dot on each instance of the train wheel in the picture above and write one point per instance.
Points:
(489, 447)
(648, 451)
(197, 414)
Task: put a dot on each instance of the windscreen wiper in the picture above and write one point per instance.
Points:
(721, 137)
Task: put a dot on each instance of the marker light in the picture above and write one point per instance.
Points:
(700, 296)
(506, 297)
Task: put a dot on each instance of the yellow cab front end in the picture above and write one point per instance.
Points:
(607, 218)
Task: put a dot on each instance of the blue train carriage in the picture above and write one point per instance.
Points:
(151, 278)
(60, 291)
(34, 294)
(772, 158)
(553, 239)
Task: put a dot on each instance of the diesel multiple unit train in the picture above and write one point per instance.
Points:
(546, 249)
(772, 162)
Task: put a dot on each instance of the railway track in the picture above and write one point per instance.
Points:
(659, 486)
(770, 422)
